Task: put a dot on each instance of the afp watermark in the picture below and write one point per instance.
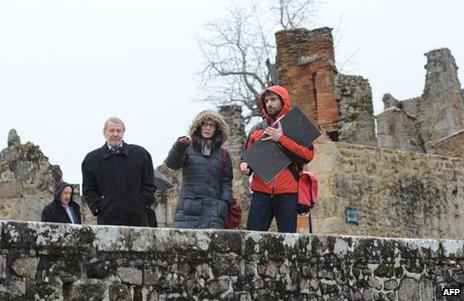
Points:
(451, 291)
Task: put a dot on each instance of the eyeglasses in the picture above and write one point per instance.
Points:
(211, 125)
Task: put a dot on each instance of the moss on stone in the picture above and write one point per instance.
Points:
(385, 270)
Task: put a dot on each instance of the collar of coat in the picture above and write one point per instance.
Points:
(71, 203)
(108, 153)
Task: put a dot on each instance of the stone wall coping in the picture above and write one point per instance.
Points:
(38, 235)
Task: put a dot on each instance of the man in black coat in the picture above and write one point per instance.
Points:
(118, 180)
(62, 209)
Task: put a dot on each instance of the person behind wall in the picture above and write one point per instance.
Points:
(279, 198)
(206, 191)
(62, 209)
(118, 180)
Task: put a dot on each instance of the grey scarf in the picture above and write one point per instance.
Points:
(206, 147)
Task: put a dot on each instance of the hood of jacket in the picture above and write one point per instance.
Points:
(221, 133)
(59, 186)
(284, 97)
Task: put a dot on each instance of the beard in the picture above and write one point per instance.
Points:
(114, 143)
(272, 112)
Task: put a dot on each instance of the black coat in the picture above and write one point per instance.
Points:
(55, 212)
(119, 186)
(206, 191)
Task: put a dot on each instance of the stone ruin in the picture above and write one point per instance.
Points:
(26, 180)
(433, 122)
(341, 105)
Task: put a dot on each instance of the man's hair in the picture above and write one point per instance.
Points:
(270, 93)
(114, 120)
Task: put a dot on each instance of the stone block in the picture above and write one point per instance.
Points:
(10, 190)
(271, 270)
(368, 294)
(92, 289)
(14, 287)
(375, 283)
(130, 275)
(27, 209)
(217, 287)
(408, 290)
(25, 267)
(390, 284)
(120, 292)
(427, 289)
(2, 267)
(151, 277)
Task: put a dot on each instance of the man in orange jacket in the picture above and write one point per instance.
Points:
(279, 198)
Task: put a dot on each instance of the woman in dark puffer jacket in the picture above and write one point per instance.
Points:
(206, 191)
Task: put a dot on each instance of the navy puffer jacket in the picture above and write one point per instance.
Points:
(206, 191)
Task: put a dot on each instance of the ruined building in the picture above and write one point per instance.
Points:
(432, 123)
(340, 105)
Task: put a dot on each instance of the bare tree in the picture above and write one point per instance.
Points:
(239, 50)
(293, 14)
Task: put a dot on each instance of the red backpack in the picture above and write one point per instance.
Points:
(234, 216)
(307, 191)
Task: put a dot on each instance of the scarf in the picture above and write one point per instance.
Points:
(206, 147)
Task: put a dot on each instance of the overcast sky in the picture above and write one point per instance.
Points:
(66, 66)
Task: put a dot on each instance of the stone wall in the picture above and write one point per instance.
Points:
(70, 262)
(357, 123)
(235, 145)
(397, 129)
(452, 146)
(442, 107)
(396, 193)
(170, 196)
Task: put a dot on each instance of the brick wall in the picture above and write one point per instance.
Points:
(306, 65)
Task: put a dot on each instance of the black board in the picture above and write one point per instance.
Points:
(296, 126)
(267, 159)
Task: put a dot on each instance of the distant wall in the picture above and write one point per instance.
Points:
(354, 97)
(452, 146)
(71, 262)
(396, 193)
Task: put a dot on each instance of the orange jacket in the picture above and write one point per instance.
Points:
(284, 182)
